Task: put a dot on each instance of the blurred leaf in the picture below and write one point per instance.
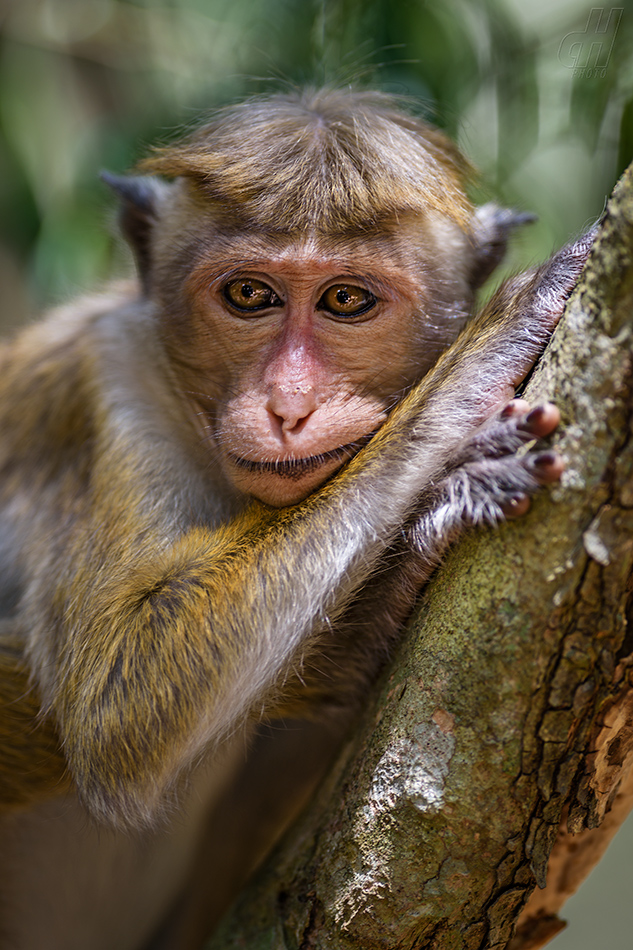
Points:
(91, 83)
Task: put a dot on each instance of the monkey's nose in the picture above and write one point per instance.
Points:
(290, 405)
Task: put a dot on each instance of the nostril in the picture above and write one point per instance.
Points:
(295, 426)
(288, 424)
(290, 407)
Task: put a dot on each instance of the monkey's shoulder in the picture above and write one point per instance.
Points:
(51, 399)
(50, 371)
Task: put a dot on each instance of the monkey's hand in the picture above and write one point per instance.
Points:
(490, 477)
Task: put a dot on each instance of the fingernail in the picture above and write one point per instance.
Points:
(536, 415)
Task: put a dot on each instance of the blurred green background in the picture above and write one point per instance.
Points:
(539, 95)
(88, 84)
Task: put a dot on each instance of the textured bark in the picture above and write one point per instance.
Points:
(508, 714)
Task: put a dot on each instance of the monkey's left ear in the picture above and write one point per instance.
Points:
(140, 198)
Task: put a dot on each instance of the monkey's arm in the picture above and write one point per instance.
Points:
(489, 477)
(164, 641)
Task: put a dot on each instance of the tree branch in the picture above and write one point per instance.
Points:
(509, 708)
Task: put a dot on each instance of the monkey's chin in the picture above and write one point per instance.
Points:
(284, 483)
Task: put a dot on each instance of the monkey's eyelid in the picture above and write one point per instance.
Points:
(368, 297)
(264, 297)
(342, 314)
(259, 308)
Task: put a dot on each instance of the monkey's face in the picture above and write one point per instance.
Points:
(295, 351)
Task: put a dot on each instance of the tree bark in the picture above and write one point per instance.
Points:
(501, 740)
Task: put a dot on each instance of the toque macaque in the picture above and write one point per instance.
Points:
(224, 484)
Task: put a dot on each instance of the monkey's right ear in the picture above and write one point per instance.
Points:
(140, 198)
(492, 228)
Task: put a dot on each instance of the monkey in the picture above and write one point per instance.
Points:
(224, 484)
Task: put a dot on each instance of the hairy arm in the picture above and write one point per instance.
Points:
(164, 639)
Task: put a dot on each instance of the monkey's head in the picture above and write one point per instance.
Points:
(308, 260)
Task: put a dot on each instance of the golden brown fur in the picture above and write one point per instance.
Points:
(329, 160)
(214, 512)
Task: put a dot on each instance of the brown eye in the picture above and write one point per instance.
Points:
(346, 300)
(249, 295)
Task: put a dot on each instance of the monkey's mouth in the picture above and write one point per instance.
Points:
(297, 468)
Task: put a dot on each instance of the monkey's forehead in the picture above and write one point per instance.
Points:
(334, 163)
(406, 250)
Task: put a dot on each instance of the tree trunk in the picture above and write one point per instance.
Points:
(505, 724)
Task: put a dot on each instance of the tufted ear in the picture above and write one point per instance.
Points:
(492, 228)
(139, 203)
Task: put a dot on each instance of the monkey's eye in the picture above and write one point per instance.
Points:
(346, 300)
(249, 295)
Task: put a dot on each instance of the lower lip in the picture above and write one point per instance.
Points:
(299, 468)
(292, 469)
